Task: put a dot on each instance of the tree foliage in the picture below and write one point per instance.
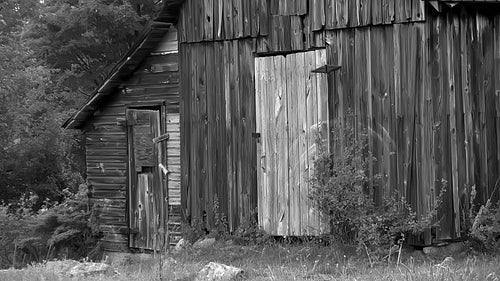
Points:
(53, 53)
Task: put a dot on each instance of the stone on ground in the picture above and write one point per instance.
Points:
(220, 272)
(73, 268)
(181, 245)
(204, 243)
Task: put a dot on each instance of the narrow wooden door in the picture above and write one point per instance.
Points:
(147, 193)
(291, 113)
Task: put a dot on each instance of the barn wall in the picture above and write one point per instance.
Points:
(288, 25)
(424, 85)
(428, 96)
(154, 83)
(217, 121)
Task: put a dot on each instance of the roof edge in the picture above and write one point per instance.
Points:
(80, 116)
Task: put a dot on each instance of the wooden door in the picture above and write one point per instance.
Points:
(291, 112)
(147, 190)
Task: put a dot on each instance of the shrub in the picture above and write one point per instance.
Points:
(485, 226)
(340, 189)
(59, 230)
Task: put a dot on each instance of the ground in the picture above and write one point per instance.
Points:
(309, 261)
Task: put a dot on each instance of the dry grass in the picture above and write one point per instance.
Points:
(278, 262)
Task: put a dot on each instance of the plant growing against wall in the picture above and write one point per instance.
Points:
(341, 190)
(483, 226)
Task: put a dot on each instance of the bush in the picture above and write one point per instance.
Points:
(485, 226)
(340, 189)
(59, 230)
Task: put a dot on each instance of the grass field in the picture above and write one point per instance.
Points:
(278, 262)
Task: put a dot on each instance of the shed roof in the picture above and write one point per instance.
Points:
(147, 42)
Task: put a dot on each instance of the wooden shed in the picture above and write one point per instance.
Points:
(260, 80)
(132, 136)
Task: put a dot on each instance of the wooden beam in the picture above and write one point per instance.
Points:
(329, 68)
(161, 138)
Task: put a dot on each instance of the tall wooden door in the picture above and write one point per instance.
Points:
(147, 189)
(291, 113)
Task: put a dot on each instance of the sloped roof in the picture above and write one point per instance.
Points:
(170, 11)
(147, 42)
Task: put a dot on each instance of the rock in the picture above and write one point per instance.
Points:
(89, 269)
(457, 250)
(204, 243)
(446, 263)
(79, 269)
(431, 251)
(220, 272)
(181, 245)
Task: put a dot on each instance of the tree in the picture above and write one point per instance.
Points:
(84, 39)
(53, 54)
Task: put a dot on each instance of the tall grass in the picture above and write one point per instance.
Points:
(282, 262)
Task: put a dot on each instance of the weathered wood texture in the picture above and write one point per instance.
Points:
(427, 93)
(290, 115)
(218, 122)
(153, 85)
(282, 25)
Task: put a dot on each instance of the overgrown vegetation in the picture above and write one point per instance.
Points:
(342, 190)
(483, 227)
(277, 262)
(247, 233)
(53, 54)
(58, 231)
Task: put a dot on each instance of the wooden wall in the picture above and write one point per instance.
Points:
(288, 25)
(218, 122)
(425, 85)
(428, 95)
(154, 83)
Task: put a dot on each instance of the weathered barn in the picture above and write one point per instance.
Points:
(259, 80)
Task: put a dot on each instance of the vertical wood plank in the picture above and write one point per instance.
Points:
(297, 38)
(365, 15)
(330, 15)
(388, 11)
(418, 10)
(247, 20)
(236, 131)
(496, 83)
(452, 25)
(228, 101)
(185, 127)
(293, 143)
(228, 19)
(247, 115)
(263, 18)
(377, 16)
(261, 149)
(317, 10)
(222, 185)
(237, 18)
(323, 117)
(218, 19)
(208, 19)
(311, 131)
(211, 131)
(283, 215)
(342, 13)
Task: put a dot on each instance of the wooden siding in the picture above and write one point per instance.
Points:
(217, 123)
(154, 83)
(428, 96)
(291, 115)
(424, 85)
(294, 23)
